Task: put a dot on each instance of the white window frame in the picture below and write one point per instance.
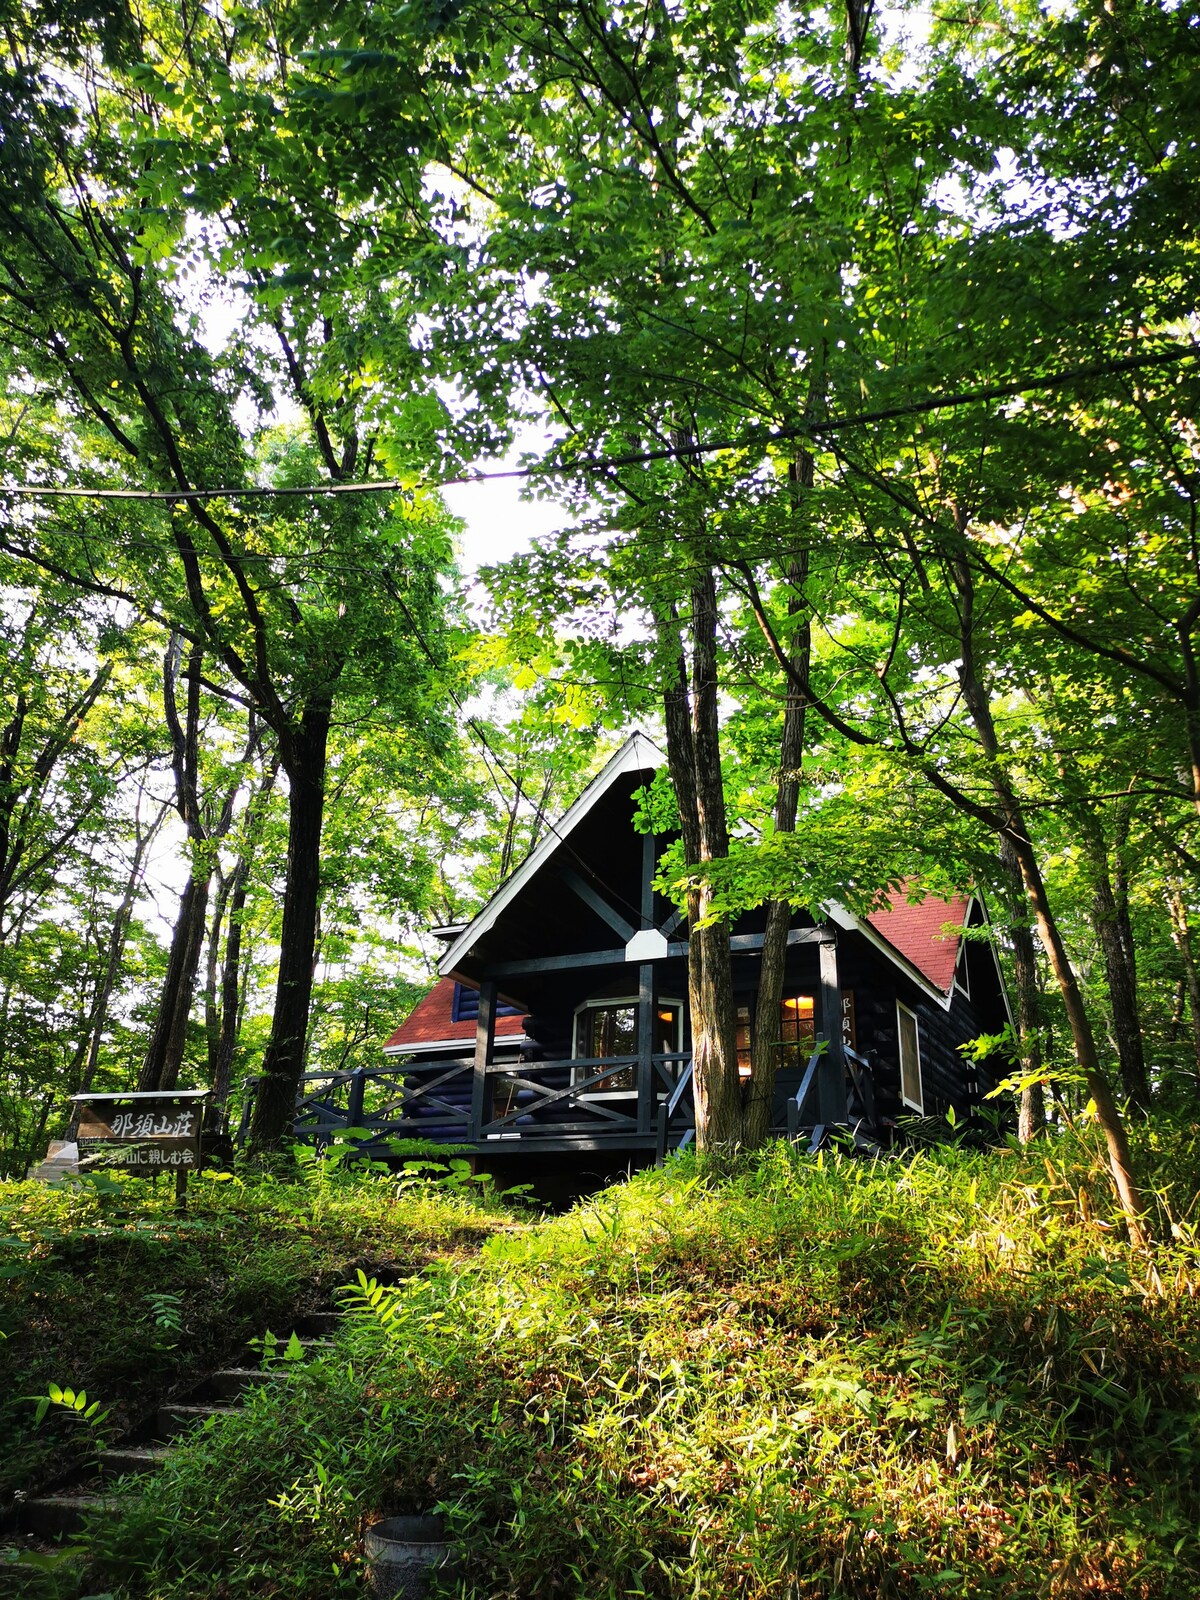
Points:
(600, 1002)
(918, 1104)
(962, 975)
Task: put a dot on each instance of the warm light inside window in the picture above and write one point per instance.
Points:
(801, 1004)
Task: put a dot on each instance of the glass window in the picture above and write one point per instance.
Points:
(607, 1031)
(743, 1041)
(797, 1029)
(797, 1032)
(910, 1059)
(605, 1028)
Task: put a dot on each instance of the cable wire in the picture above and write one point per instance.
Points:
(810, 429)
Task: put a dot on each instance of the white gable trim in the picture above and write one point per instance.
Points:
(425, 1047)
(637, 754)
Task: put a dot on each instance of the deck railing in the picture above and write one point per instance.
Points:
(597, 1101)
(593, 1099)
(421, 1100)
(677, 1116)
(860, 1101)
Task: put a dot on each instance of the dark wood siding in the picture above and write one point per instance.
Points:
(947, 1077)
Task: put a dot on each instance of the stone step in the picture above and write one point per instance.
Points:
(316, 1324)
(178, 1417)
(122, 1458)
(231, 1383)
(310, 1345)
(51, 1514)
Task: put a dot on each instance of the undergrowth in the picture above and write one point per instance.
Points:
(106, 1289)
(943, 1376)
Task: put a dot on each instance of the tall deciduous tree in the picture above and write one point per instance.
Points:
(311, 609)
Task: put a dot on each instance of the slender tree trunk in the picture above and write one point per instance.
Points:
(212, 961)
(1107, 1115)
(1121, 977)
(98, 1016)
(978, 705)
(1181, 937)
(168, 1042)
(764, 1036)
(1031, 1117)
(1191, 694)
(231, 988)
(693, 756)
(222, 997)
(1110, 922)
(283, 1062)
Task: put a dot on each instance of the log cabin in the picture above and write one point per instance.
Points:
(558, 1027)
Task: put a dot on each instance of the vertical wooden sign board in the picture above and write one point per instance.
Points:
(144, 1132)
(849, 1030)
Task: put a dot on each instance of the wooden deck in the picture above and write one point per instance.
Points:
(616, 1103)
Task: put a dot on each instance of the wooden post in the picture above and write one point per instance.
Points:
(647, 997)
(356, 1097)
(831, 1076)
(647, 1005)
(485, 1050)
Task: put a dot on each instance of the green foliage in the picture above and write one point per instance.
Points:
(942, 1375)
(119, 1296)
(73, 1405)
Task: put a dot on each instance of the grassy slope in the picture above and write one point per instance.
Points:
(118, 1295)
(947, 1377)
(932, 1378)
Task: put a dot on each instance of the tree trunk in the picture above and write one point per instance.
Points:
(1181, 937)
(1107, 1115)
(1110, 922)
(764, 1035)
(978, 704)
(694, 762)
(221, 1060)
(1121, 976)
(168, 1042)
(1031, 1117)
(98, 1015)
(283, 1062)
(164, 1055)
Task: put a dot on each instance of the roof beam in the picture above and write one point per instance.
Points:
(738, 945)
(581, 887)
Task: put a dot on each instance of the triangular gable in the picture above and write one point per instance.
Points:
(637, 754)
(919, 933)
(911, 937)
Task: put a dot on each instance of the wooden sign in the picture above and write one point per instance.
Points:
(142, 1132)
(849, 1031)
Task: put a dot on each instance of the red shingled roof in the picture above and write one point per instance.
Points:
(916, 932)
(430, 1022)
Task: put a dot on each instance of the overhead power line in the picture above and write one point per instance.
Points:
(811, 428)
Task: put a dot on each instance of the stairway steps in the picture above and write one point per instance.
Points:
(316, 1323)
(231, 1383)
(178, 1417)
(121, 1458)
(55, 1514)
